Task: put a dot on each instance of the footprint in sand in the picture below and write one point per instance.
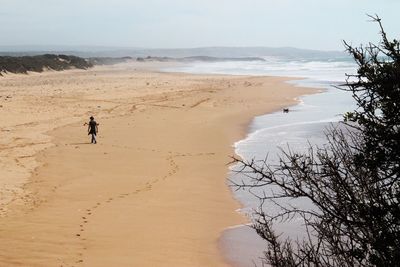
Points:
(97, 205)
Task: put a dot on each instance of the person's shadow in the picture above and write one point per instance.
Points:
(75, 144)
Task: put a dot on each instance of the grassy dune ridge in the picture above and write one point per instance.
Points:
(39, 63)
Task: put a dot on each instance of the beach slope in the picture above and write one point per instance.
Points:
(152, 192)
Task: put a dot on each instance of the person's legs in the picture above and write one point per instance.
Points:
(94, 138)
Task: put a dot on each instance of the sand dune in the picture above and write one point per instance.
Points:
(152, 192)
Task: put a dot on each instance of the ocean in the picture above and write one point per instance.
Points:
(305, 124)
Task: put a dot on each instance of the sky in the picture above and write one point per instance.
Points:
(310, 24)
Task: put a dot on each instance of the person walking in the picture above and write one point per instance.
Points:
(93, 129)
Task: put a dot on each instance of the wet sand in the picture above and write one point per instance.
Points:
(152, 192)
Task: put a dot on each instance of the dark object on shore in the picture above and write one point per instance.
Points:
(41, 63)
(285, 110)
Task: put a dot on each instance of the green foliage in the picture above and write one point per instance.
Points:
(377, 93)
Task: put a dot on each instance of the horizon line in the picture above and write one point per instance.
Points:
(76, 48)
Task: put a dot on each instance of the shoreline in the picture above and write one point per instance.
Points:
(212, 111)
(306, 120)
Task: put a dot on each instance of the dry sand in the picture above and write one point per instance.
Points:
(152, 192)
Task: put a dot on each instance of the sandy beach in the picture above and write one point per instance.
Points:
(152, 192)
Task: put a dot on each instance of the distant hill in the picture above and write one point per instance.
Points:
(219, 52)
(24, 59)
(39, 63)
(42, 62)
(109, 60)
(197, 58)
(237, 52)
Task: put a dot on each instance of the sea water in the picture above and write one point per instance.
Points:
(268, 135)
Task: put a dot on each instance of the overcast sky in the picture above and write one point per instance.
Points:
(314, 24)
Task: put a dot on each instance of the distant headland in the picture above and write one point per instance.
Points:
(40, 63)
(198, 58)
(38, 59)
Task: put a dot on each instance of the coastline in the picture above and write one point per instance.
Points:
(164, 199)
(306, 122)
